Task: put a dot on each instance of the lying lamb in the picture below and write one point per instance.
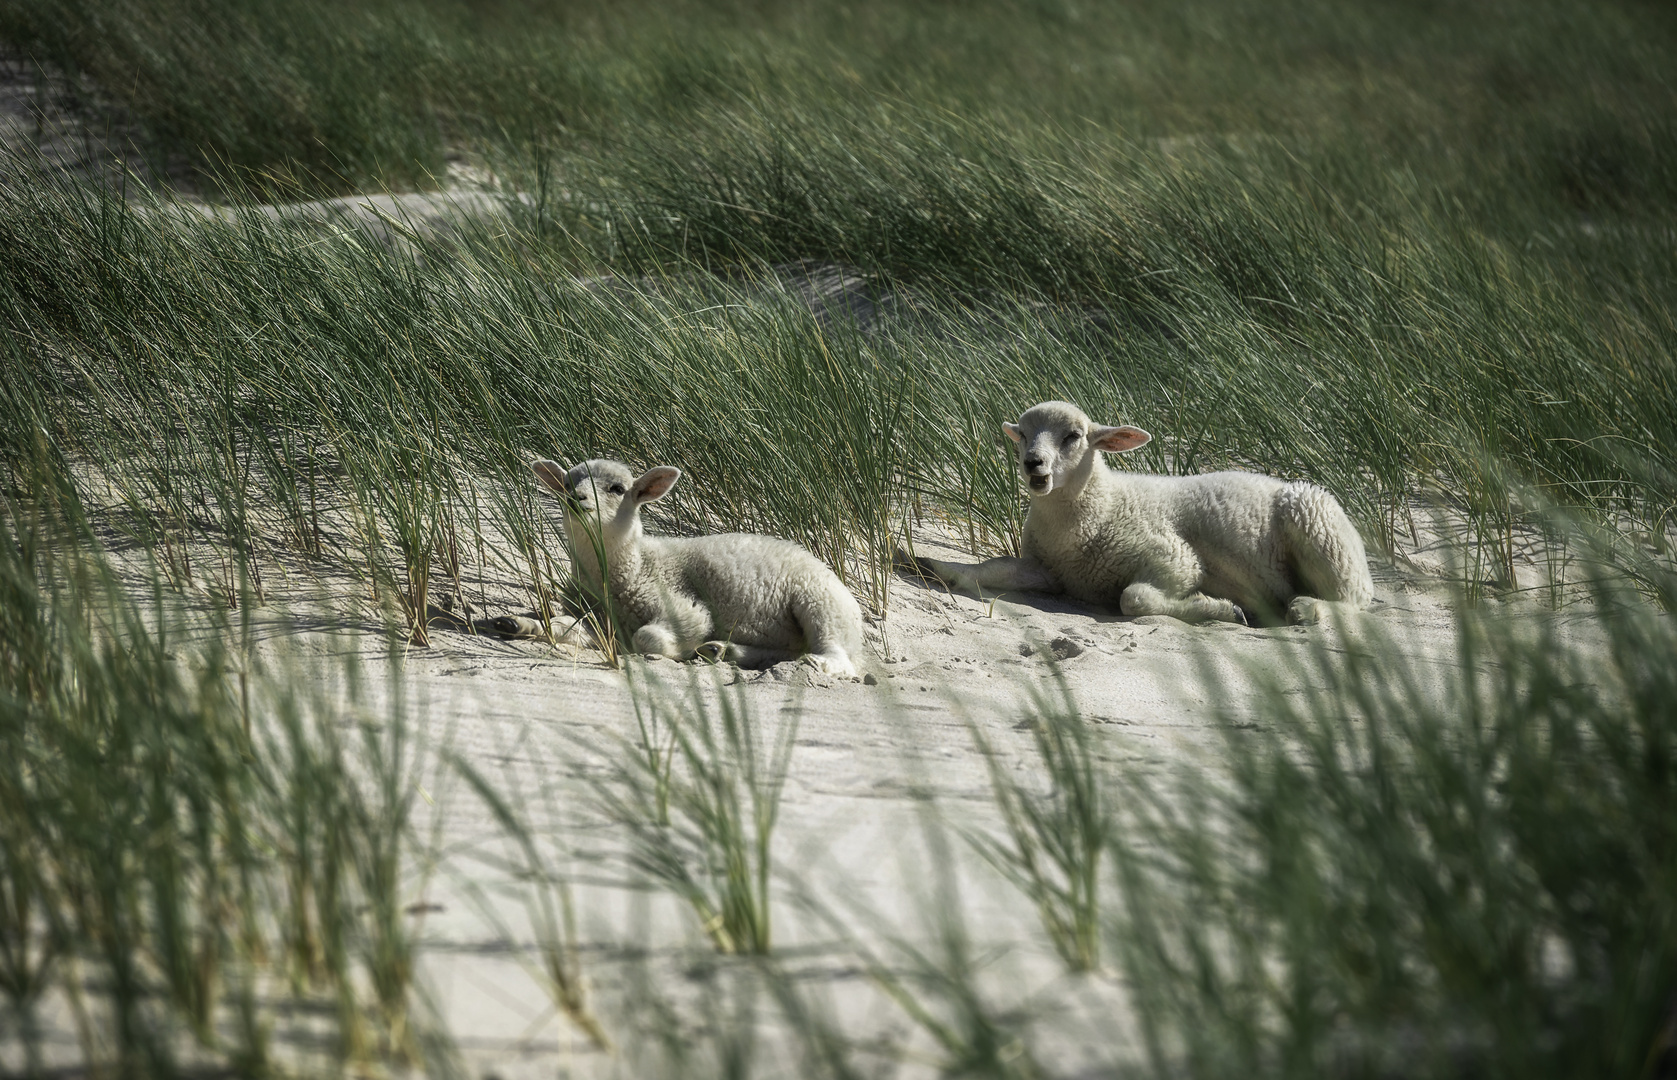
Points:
(1227, 545)
(754, 600)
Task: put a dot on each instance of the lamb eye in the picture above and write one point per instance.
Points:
(1073, 437)
(616, 489)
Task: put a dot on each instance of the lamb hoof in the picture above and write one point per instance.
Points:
(714, 651)
(517, 627)
(902, 560)
(1306, 611)
(1240, 616)
(839, 666)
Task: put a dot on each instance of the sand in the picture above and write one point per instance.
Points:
(882, 771)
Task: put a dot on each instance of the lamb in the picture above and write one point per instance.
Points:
(751, 599)
(1229, 546)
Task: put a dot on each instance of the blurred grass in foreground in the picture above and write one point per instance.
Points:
(189, 839)
(1418, 867)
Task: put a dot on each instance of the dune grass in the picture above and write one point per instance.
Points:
(1560, 96)
(699, 795)
(276, 394)
(1055, 839)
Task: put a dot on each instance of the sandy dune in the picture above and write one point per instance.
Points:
(874, 761)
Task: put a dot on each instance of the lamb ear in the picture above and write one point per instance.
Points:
(552, 474)
(655, 483)
(1012, 431)
(1116, 440)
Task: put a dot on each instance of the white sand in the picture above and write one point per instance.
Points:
(854, 817)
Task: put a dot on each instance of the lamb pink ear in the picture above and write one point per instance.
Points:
(1116, 440)
(655, 483)
(1013, 432)
(552, 474)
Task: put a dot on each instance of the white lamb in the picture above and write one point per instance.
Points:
(751, 599)
(1227, 545)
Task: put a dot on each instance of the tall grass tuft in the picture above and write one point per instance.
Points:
(187, 835)
(699, 797)
(1055, 838)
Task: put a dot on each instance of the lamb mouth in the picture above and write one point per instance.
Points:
(1039, 483)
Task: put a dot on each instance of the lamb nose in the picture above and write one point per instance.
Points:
(1033, 463)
